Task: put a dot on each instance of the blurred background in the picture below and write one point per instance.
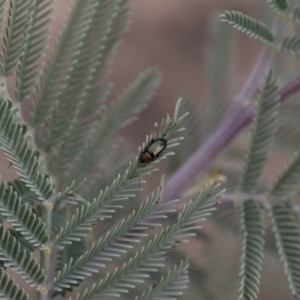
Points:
(175, 36)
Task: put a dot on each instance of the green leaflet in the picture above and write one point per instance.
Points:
(151, 257)
(253, 28)
(49, 85)
(23, 219)
(288, 179)
(279, 6)
(19, 153)
(14, 34)
(287, 234)
(34, 43)
(170, 285)
(9, 289)
(252, 231)
(264, 126)
(17, 258)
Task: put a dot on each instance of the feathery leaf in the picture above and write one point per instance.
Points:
(9, 289)
(170, 286)
(85, 61)
(17, 258)
(252, 229)
(14, 35)
(34, 43)
(261, 137)
(253, 28)
(152, 256)
(121, 113)
(291, 44)
(278, 6)
(21, 218)
(17, 148)
(52, 79)
(288, 179)
(110, 245)
(287, 234)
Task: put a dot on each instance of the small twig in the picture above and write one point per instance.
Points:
(239, 117)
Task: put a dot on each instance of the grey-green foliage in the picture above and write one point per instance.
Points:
(287, 233)
(279, 6)
(170, 285)
(13, 38)
(33, 46)
(16, 146)
(151, 257)
(276, 200)
(9, 289)
(249, 26)
(262, 135)
(251, 223)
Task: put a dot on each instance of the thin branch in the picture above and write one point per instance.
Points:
(237, 119)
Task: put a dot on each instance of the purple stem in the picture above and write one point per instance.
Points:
(239, 116)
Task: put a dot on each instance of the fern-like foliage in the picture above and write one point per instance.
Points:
(121, 113)
(287, 234)
(288, 179)
(9, 289)
(150, 258)
(24, 220)
(36, 35)
(131, 230)
(253, 28)
(170, 286)
(279, 6)
(17, 258)
(261, 136)
(13, 38)
(252, 231)
(100, 207)
(18, 150)
(291, 44)
(86, 59)
(49, 85)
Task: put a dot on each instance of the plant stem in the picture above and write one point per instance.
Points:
(239, 116)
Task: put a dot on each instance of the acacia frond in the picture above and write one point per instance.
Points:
(9, 289)
(296, 15)
(2, 9)
(130, 231)
(79, 126)
(21, 218)
(17, 258)
(19, 153)
(150, 258)
(261, 136)
(34, 43)
(287, 234)
(252, 230)
(49, 85)
(253, 28)
(170, 286)
(23, 191)
(101, 207)
(288, 179)
(278, 6)
(78, 79)
(14, 35)
(291, 44)
(120, 114)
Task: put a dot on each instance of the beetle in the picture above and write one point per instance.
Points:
(153, 151)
